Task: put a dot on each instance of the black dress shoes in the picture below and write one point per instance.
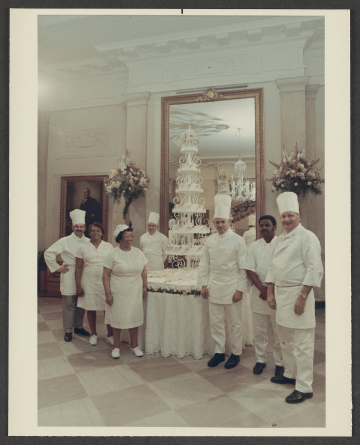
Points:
(81, 331)
(282, 379)
(298, 397)
(258, 368)
(279, 371)
(214, 361)
(232, 362)
(68, 336)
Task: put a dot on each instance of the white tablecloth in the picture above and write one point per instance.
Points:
(179, 325)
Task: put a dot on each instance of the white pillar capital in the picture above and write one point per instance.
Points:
(292, 84)
(311, 90)
(134, 99)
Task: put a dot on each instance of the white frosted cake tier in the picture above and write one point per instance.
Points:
(186, 208)
(186, 188)
(189, 149)
(184, 250)
(189, 169)
(175, 279)
(187, 229)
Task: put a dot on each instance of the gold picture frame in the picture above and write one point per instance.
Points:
(212, 95)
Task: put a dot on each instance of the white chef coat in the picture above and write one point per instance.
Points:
(126, 287)
(259, 255)
(296, 262)
(91, 277)
(221, 268)
(67, 247)
(250, 236)
(154, 248)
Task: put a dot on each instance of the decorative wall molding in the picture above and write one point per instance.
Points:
(86, 139)
(311, 90)
(293, 84)
(139, 98)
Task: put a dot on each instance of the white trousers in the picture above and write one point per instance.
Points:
(233, 314)
(261, 323)
(297, 347)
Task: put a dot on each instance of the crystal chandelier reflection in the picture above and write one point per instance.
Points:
(242, 190)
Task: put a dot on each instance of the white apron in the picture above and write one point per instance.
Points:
(285, 315)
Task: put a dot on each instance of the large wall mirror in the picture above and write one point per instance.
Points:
(216, 117)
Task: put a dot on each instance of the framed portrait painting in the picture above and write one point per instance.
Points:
(85, 193)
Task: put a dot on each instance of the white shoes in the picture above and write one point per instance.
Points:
(115, 353)
(137, 351)
(110, 340)
(93, 340)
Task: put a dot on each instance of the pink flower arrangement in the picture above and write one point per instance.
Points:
(127, 180)
(296, 174)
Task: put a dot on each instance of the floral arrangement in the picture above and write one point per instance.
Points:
(296, 174)
(127, 180)
(167, 290)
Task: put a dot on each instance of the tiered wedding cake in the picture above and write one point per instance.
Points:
(188, 229)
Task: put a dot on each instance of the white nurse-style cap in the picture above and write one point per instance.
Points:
(77, 216)
(153, 218)
(252, 220)
(288, 202)
(222, 206)
(120, 228)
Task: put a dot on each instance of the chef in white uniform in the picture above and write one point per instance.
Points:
(67, 247)
(250, 235)
(154, 244)
(259, 255)
(295, 269)
(223, 281)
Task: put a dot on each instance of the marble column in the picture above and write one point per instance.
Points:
(293, 120)
(136, 144)
(43, 141)
(315, 203)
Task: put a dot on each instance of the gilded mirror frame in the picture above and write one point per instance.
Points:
(211, 95)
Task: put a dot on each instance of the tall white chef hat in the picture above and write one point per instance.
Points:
(222, 206)
(288, 202)
(154, 218)
(77, 216)
(120, 228)
(252, 220)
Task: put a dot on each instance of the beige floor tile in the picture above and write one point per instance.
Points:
(129, 405)
(320, 345)
(158, 368)
(184, 390)
(49, 316)
(230, 379)
(170, 419)
(50, 368)
(319, 357)
(59, 390)
(49, 350)
(42, 326)
(194, 365)
(40, 318)
(46, 309)
(311, 417)
(103, 380)
(79, 345)
(49, 301)
(59, 334)
(320, 368)
(257, 399)
(76, 413)
(45, 337)
(282, 410)
(222, 411)
(92, 360)
(55, 324)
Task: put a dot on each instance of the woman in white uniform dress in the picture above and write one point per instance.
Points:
(125, 282)
(88, 277)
